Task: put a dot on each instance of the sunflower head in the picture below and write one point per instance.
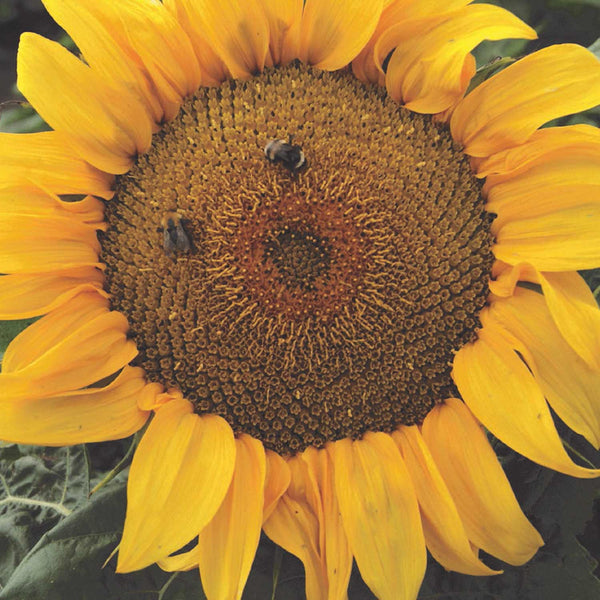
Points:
(318, 263)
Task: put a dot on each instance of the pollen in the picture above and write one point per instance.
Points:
(312, 305)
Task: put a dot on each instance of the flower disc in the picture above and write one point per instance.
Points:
(315, 304)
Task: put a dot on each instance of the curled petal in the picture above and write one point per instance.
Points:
(425, 70)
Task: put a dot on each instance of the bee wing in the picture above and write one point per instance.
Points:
(181, 241)
(168, 243)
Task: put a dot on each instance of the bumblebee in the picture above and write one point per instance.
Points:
(288, 155)
(175, 239)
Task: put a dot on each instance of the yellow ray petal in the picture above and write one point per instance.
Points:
(575, 313)
(334, 548)
(237, 32)
(425, 71)
(542, 143)
(32, 295)
(184, 561)
(501, 392)
(564, 240)
(43, 335)
(94, 34)
(563, 179)
(228, 543)
(182, 468)
(104, 125)
(285, 17)
(136, 44)
(365, 66)
(381, 516)
(506, 277)
(40, 244)
(444, 531)
(333, 33)
(485, 501)
(294, 525)
(89, 415)
(506, 109)
(152, 397)
(186, 12)
(72, 347)
(571, 387)
(33, 201)
(47, 159)
(276, 483)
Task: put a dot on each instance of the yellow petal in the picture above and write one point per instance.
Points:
(104, 125)
(575, 313)
(179, 477)
(485, 501)
(32, 295)
(571, 387)
(501, 392)
(367, 65)
(425, 71)
(334, 548)
(294, 525)
(276, 483)
(31, 244)
(187, 13)
(237, 31)
(228, 543)
(542, 144)
(36, 202)
(444, 531)
(564, 179)
(89, 415)
(285, 17)
(94, 34)
(184, 561)
(43, 335)
(333, 33)
(506, 109)
(381, 516)
(137, 44)
(506, 277)
(45, 158)
(72, 347)
(565, 240)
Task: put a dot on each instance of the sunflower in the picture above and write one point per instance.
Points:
(286, 233)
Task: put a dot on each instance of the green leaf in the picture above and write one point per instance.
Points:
(38, 487)
(595, 47)
(9, 329)
(67, 561)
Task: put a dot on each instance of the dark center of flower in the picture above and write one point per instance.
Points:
(314, 304)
